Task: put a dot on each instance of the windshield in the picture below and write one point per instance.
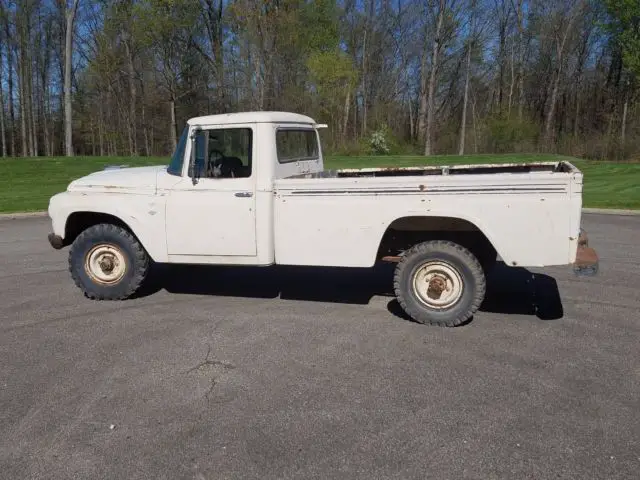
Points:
(175, 166)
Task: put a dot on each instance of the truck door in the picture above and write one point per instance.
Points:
(216, 214)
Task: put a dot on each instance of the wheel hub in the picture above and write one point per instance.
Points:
(105, 264)
(438, 285)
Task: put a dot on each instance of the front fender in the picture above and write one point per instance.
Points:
(143, 214)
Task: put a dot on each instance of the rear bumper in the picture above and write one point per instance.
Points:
(587, 261)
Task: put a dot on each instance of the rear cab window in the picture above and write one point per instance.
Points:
(297, 145)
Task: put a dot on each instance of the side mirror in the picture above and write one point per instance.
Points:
(194, 170)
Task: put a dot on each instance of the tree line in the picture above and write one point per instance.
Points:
(120, 77)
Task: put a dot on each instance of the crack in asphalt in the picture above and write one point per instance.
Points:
(205, 365)
(207, 362)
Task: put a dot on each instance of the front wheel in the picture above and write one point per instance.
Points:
(108, 263)
(439, 283)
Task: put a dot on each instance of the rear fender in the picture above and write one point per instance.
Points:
(444, 223)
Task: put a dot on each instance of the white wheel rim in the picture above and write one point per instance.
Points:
(437, 285)
(105, 264)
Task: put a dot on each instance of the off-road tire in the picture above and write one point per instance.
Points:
(136, 260)
(462, 261)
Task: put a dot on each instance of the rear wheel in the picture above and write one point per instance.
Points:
(107, 262)
(439, 283)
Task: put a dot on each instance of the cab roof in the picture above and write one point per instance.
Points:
(251, 117)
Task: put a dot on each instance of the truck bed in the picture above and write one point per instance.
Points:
(529, 212)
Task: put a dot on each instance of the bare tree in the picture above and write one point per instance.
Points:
(561, 33)
(521, 49)
(470, 44)
(2, 115)
(435, 55)
(70, 15)
(213, 11)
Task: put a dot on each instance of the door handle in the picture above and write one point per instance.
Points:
(244, 194)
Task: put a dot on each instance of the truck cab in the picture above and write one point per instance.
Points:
(223, 172)
(213, 202)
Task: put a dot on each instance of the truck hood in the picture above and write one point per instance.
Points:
(120, 180)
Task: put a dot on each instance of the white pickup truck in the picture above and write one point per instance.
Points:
(250, 189)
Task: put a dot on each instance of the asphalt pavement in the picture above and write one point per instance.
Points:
(314, 373)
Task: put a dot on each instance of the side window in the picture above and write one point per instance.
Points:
(296, 145)
(224, 152)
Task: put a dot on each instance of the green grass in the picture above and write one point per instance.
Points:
(26, 184)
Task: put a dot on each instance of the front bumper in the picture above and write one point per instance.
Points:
(587, 261)
(55, 241)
